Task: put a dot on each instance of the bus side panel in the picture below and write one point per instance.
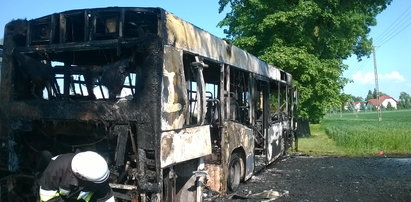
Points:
(240, 136)
(275, 141)
(174, 92)
(236, 138)
(183, 145)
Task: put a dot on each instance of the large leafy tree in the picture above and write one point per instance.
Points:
(308, 38)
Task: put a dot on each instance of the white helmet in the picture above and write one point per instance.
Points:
(90, 166)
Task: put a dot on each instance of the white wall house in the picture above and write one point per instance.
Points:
(384, 101)
(357, 106)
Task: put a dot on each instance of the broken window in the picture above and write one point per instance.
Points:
(74, 26)
(275, 100)
(41, 31)
(279, 101)
(82, 26)
(239, 96)
(211, 75)
(69, 69)
(42, 76)
(106, 25)
(139, 24)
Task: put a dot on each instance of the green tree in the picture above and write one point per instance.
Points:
(362, 106)
(344, 99)
(404, 101)
(355, 98)
(309, 39)
(374, 93)
(390, 107)
(369, 95)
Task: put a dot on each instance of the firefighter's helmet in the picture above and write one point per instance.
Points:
(90, 166)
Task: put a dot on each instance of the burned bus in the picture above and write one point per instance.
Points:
(171, 107)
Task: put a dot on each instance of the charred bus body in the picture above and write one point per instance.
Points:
(169, 105)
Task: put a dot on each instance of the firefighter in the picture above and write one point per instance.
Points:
(76, 177)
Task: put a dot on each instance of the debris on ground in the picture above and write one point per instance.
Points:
(328, 179)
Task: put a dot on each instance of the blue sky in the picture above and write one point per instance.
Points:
(391, 35)
(203, 13)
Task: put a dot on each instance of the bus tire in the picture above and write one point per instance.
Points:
(234, 172)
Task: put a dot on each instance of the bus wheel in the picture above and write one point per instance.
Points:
(234, 172)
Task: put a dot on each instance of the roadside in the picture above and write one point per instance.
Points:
(319, 144)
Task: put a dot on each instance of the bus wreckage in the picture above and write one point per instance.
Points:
(171, 107)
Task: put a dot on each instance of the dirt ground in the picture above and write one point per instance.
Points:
(303, 178)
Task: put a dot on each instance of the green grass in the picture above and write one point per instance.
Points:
(362, 134)
(319, 144)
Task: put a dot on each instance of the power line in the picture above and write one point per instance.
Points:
(393, 25)
(359, 66)
(402, 22)
(395, 34)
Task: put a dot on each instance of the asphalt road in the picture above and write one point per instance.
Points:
(302, 178)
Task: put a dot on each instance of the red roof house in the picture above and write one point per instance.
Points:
(383, 100)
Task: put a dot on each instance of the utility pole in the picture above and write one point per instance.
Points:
(376, 84)
(341, 105)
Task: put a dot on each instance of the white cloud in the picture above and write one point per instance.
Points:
(393, 76)
(368, 78)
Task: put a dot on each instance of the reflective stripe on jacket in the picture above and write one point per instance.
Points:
(46, 195)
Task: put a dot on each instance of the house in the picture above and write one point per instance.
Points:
(357, 105)
(384, 101)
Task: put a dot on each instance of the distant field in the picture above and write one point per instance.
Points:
(361, 134)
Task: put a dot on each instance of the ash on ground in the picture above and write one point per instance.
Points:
(305, 178)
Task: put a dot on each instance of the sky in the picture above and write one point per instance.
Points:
(391, 35)
(392, 40)
(202, 13)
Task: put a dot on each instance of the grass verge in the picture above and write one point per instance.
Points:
(319, 144)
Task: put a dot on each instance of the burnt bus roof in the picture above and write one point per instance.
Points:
(173, 30)
(184, 35)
